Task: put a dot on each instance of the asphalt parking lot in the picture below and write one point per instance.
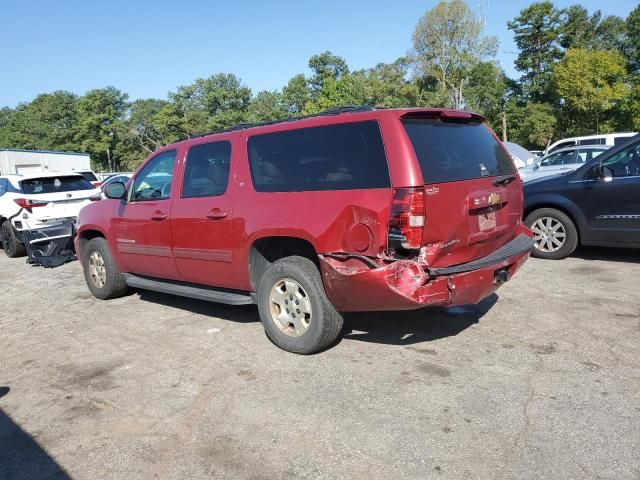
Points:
(541, 380)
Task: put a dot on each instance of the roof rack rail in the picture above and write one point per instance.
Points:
(329, 111)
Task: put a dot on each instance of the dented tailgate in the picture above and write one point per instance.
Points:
(473, 197)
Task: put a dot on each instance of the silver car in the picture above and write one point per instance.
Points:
(560, 161)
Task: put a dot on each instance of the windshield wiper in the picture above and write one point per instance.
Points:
(504, 180)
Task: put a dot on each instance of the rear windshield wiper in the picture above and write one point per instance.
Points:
(504, 180)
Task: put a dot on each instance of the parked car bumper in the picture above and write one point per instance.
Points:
(408, 285)
(21, 224)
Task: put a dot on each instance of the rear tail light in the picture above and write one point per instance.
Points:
(406, 225)
(29, 204)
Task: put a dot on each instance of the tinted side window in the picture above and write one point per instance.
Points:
(588, 155)
(625, 163)
(207, 170)
(452, 151)
(154, 180)
(3, 186)
(560, 158)
(333, 157)
(592, 141)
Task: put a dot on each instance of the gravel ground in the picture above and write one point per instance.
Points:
(541, 380)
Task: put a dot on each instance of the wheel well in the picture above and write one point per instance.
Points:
(553, 206)
(267, 250)
(87, 235)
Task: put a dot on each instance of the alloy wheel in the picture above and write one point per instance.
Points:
(290, 307)
(97, 269)
(549, 234)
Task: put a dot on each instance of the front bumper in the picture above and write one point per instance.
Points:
(407, 285)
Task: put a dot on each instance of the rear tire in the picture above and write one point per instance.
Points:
(555, 234)
(101, 273)
(294, 308)
(12, 247)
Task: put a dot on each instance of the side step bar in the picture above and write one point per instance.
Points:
(188, 290)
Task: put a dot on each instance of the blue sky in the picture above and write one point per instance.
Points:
(149, 48)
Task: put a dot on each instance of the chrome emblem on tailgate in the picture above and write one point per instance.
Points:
(494, 199)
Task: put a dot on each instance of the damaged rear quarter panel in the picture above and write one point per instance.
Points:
(341, 221)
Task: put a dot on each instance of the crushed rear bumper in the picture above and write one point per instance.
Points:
(50, 246)
(353, 285)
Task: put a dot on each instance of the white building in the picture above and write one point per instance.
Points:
(35, 161)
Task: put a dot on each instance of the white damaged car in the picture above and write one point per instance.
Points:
(36, 202)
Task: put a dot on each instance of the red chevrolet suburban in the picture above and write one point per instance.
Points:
(354, 209)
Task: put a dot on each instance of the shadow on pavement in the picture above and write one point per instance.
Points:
(235, 313)
(392, 328)
(411, 327)
(21, 458)
(627, 255)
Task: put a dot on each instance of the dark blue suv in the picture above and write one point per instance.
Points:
(597, 204)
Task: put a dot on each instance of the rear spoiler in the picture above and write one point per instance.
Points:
(446, 115)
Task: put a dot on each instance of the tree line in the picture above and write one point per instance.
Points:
(580, 74)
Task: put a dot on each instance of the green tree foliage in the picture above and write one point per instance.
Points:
(144, 124)
(631, 44)
(389, 85)
(537, 34)
(99, 114)
(326, 66)
(580, 74)
(267, 106)
(487, 92)
(49, 122)
(212, 103)
(590, 83)
(610, 34)
(296, 94)
(448, 44)
(532, 125)
(579, 28)
(592, 32)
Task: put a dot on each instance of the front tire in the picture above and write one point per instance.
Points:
(101, 273)
(554, 234)
(294, 308)
(12, 247)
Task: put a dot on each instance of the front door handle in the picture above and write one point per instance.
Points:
(216, 214)
(158, 215)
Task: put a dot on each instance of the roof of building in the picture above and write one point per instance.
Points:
(42, 151)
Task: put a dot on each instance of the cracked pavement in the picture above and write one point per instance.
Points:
(541, 380)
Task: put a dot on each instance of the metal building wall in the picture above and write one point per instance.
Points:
(49, 161)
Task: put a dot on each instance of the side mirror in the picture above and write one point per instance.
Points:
(601, 173)
(115, 190)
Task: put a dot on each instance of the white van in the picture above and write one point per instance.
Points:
(604, 139)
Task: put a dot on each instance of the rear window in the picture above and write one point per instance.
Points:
(35, 186)
(453, 151)
(89, 176)
(333, 157)
(592, 141)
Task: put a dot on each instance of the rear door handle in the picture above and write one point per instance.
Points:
(216, 214)
(158, 215)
